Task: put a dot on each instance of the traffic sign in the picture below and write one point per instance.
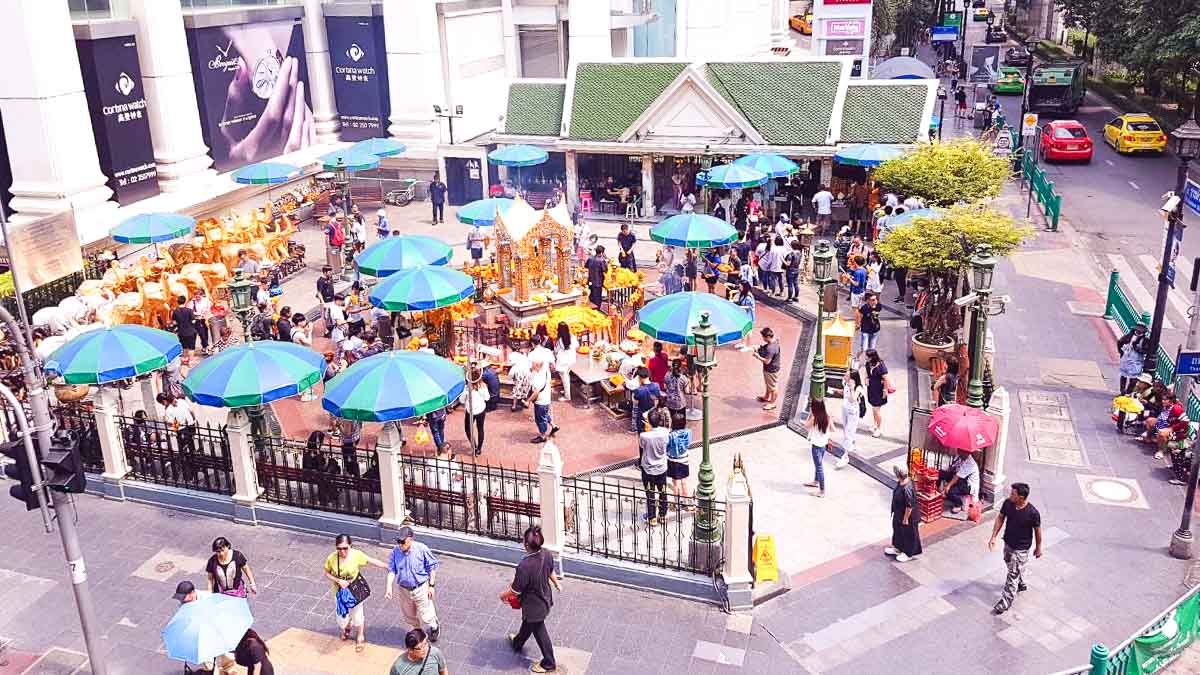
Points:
(952, 19)
(1189, 364)
(944, 34)
(1191, 196)
(1029, 125)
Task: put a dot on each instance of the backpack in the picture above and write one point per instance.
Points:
(260, 328)
(862, 402)
(337, 236)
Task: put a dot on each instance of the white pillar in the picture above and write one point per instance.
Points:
(149, 396)
(780, 30)
(179, 149)
(320, 72)
(591, 30)
(550, 497)
(47, 126)
(415, 82)
(111, 446)
(736, 570)
(391, 477)
(827, 172)
(647, 186)
(571, 160)
(1000, 408)
(245, 474)
(512, 51)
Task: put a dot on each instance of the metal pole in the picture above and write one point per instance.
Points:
(941, 115)
(16, 282)
(817, 381)
(1174, 225)
(975, 386)
(39, 405)
(1025, 97)
(1181, 539)
(706, 526)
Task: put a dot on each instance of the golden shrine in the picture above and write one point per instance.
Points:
(533, 260)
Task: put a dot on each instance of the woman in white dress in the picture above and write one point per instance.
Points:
(565, 345)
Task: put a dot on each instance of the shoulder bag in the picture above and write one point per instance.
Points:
(359, 588)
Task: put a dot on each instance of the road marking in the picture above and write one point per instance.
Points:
(1176, 297)
(1109, 162)
(1141, 297)
(1135, 185)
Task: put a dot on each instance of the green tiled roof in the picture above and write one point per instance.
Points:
(535, 108)
(789, 103)
(887, 114)
(610, 96)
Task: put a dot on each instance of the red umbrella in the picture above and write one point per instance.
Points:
(957, 426)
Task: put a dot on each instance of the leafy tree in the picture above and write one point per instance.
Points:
(942, 248)
(946, 173)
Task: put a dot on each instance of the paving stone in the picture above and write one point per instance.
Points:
(719, 653)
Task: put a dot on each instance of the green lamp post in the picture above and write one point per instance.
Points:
(241, 300)
(822, 268)
(983, 265)
(706, 528)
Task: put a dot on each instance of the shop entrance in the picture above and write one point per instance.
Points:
(464, 180)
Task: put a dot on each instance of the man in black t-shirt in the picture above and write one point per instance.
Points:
(1022, 526)
(626, 240)
(597, 267)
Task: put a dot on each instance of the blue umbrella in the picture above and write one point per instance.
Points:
(775, 166)
(694, 230)
(733, 176)
(266, 173)
(151, 228)
(867, 154)
(380, 147)
(351, 160)
(394, 385)
(483, 211)
(388, 256)
(518, 155)
(254, 373)
(114, 353)
(671, 318)
(207, 627)
(422, 288)
(906, 218)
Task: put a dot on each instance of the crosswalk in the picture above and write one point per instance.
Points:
(1139, 279)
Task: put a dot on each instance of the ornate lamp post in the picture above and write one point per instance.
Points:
(705, 528)
(341, 179)
(822, 267)
(983, 265)
(241, 300)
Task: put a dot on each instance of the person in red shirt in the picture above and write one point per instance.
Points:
(1159, 429)
(658, 364)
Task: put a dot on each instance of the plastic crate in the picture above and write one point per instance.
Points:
(931, 505)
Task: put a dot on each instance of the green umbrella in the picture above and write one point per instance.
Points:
(253, 374)
(421, 288)
(394, 385)
(388, 256)
(671, 318)
(151, 228)
(112, 354)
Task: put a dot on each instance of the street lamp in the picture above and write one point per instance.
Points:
(241, 300)
(341, 179)
(822, 268)
(705, 529)
(983, 265)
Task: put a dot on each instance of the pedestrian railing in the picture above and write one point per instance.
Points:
(1150, 649)
(604, 516)
(1118, 307)
(462, 496)
(342, 479)
(193, 457)
(1042, 188)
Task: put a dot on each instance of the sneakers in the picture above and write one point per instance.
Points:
(1021, 587)
(998, 610)
(1159, 455)
(902, 557)
(434, 632)
(891, 550)
(537, 668)
(876, 432)
(553, 430)
(842, 461)
(538, 439)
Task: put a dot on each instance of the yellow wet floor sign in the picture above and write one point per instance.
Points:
(766, 568)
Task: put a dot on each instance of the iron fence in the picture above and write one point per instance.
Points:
(608, 516)
(52, 293)
(77, 417)
(451, 494)
(341, 479)
(193, 457)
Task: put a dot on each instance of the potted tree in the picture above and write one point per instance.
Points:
(941, 247)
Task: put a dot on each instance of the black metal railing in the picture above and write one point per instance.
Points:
(52, 293)
(192, 457)
(341, 479)
(450, 494)
(607, 516)
(77, 417)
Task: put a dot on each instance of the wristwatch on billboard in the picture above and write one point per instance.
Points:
(266, 71)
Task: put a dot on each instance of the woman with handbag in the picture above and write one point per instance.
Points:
(229, 571)
(343, 568)
(879, 385)
(530, 592)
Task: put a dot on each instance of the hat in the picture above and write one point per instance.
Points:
(404, 533)
(1145, 377)
(184, 589)
(784, 217)
(381, 213)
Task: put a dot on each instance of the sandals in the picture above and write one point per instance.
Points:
(769, 406)
(360, 646)
(346, 633)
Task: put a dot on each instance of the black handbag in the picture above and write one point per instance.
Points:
(359, 588)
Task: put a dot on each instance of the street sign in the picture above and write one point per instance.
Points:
(1191, 196)
(1189, 364)
(1029, 125)
(952, 19)
(944, 33)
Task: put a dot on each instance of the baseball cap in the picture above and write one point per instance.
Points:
(404, 533)
(184, 589)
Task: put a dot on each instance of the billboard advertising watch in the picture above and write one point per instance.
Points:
(112, 83)
(252, 86)
(359, 60)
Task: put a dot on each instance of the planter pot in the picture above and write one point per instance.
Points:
(923, 352)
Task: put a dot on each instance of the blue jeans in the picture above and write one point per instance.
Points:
(869, 340)
(541, 416)
(793, 284)
(437, 429)
(818, 456)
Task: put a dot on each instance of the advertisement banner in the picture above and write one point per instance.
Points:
(360, 87)
(112, 83)
(252, 85)
(985, 63)
(1152, 653)
(842, 28)
(843, 47)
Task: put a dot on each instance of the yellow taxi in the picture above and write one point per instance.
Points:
(1135, 132)
(802, 23)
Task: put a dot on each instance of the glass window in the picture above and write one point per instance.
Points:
(219, 4)
(1069, 132)
(1143, 126)
(539, 53)
(85, 10)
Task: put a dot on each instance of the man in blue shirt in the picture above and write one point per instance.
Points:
(492, 379)
(437, 195)
(413, 568)
(858, 281)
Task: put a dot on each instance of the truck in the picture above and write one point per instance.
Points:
(1058, 87)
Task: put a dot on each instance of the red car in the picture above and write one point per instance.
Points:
(1065, 139)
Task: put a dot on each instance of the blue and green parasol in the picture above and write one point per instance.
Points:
(388, 256)
(350, 160)
(380, 147)
(775, 166)
(266, 173)
(253, 374)
(671, 318)
(867, 154)
(483, 211)
(694, 230)
(151, 228)
(733, 176)
(113, 353)
(422, 288)
(518, 155)
(394, 385)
